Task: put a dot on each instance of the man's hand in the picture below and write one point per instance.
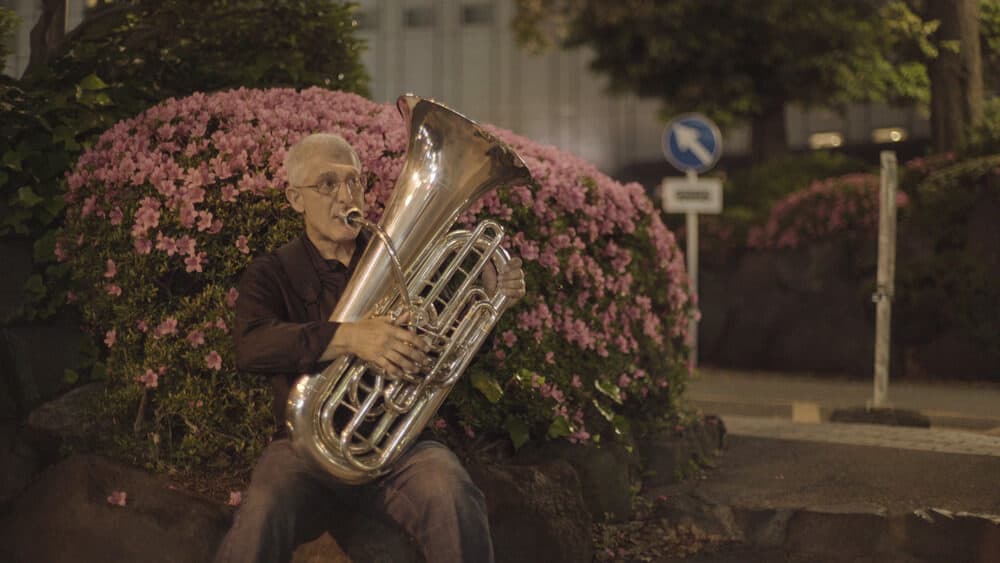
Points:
(510, 281)
(388, 345)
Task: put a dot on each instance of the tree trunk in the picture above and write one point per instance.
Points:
(768, 136)
(47, 34)
(956, 77)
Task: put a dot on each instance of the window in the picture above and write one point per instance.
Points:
(418, 16)
(480, 13)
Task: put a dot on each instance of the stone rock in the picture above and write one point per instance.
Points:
(606, 475)
(34, 358)
(19, 463)
(941, 535)
(360, 538)
(702, 514)
(66, 416)
(65, 515)
(536, 512)
(668, 454)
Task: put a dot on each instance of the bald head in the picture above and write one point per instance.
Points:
(327, 148)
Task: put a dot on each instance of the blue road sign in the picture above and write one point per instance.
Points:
(692, 142)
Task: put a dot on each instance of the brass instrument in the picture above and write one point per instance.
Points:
(352, 419)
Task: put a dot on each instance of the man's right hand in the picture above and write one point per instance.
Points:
(388, 345)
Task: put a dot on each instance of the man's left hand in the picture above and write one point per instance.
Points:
(510, 281)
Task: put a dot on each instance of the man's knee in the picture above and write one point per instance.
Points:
(439, 480)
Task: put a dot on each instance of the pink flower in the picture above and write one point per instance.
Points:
(231, 296)
(213, 360)
(509, 338)
(440, 424)
(111, 270)
(194, 263)
(241, 244)
(221, 324)
(550, 357)
(576, 383)
(469, 431)
(113, 289)
(116, 216)
(166, 244)
(110, 338)
(142, 325)
(167, 327)
(143, 246)
(150, 379)
(70, 297)
(196, 338)
(117, 498)
(235, 498)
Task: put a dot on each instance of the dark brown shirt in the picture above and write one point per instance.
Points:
(285, 300)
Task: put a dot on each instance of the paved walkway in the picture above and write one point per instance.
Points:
(901, 437)
(972, 406)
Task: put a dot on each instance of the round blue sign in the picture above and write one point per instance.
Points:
(692, 142)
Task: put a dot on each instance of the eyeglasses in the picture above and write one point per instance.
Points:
(327, 187)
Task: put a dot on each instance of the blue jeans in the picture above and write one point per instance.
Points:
(428, 494)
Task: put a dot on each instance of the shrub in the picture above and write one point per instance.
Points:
(846, 206)
(951, 286)
(168, 208)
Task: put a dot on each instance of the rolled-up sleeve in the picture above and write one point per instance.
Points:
(266, 340)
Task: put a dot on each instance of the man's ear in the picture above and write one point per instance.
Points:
(294, 197)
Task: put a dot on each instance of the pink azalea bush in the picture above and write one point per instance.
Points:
(845, 205)
(167, 209)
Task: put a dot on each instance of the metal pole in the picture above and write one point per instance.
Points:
(886, 276)
(692, 267)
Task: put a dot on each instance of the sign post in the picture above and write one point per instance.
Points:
(886, 276)
(692, 144)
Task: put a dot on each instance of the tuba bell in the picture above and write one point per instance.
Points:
(352, 419)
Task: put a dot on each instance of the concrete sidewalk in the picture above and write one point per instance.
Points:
(970, 406)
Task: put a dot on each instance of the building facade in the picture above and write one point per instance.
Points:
(463, 53)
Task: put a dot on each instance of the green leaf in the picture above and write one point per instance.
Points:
(34, 286)
(99, 372)
(487, 386)
(12, 160)
(92, 82)
(518, 431)
(70, 376)
(609, 390)
(560, 427)
(621, 426)
(45, 247)
(28, 197)
(607, 413)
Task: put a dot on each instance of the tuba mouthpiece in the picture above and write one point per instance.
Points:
(353, 217)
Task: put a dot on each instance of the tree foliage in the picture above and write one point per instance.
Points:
(8, 23)
(151, 50)
(130, 55)
(733, 60)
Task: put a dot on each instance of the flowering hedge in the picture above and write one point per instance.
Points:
(167, 209)
(846, 205)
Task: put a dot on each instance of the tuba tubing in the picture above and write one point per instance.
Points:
(352, 420)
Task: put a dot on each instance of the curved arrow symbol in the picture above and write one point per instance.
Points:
(687, 140)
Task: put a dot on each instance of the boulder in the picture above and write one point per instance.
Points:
(19, 463)
(669, 454)
(607, 475)
(536, 512)
(67, 514)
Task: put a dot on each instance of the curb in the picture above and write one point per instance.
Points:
(855, 532)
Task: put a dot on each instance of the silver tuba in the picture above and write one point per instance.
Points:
(352, 419)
